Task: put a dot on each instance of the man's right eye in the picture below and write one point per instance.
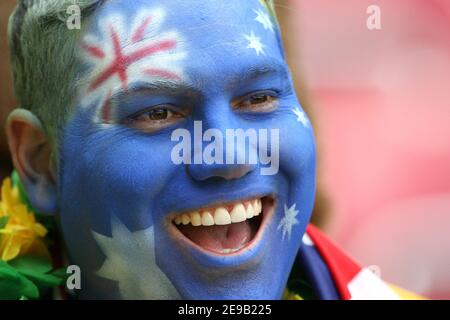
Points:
(155, 118)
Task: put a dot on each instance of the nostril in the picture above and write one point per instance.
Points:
(203, 172)
(240, 171)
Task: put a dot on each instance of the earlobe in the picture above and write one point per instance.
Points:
(31, 154)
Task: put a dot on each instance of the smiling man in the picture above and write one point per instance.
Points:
(94, 140)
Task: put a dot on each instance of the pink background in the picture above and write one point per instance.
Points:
(380, 101)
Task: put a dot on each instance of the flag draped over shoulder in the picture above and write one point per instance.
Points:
(332, 274)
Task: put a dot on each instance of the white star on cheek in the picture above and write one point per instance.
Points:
(264, 19)
(288, 221)
(301, 117)
(254, 43)
(130, 260)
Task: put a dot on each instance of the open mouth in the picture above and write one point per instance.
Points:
(227, 228)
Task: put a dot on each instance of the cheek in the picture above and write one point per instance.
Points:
(116, 173)
(298, 164)
(297, 149)
(132, 167)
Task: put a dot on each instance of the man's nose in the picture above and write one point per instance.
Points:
(231, 160)
(202, 172)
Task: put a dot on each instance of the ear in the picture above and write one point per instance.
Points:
(31, 154)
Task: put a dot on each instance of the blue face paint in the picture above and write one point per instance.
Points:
(149, 68)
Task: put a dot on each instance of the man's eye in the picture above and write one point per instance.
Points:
(258, 102)
(156, 114)
(154, 119)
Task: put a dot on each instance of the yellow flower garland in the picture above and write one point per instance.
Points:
(21, 234)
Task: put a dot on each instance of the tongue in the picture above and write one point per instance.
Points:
(219, 238)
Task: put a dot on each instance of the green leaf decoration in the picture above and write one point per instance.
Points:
(14, 285)
(44, 281)
(3, 221)
(61, 273)
(37, 270)
(31, 264)
(26, 277)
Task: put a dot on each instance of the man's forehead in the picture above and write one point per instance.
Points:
(204, 24)
(186, 11)
(198, 43)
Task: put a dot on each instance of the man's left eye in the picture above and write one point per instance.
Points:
(257, 102)
(154, 119)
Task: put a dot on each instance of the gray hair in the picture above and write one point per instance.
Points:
(43, 58)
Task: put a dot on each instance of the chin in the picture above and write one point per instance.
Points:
(229, 250)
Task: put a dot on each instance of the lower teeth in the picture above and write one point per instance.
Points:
(225, 239)
(226, 251)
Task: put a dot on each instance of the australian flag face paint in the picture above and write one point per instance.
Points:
(156, 201)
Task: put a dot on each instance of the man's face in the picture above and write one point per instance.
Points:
(144, 218)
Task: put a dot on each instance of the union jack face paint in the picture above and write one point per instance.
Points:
(121, 54)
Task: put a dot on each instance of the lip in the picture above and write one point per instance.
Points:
(268, 208)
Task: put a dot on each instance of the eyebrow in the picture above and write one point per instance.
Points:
(264, 69)
(179, 87)
(159, 85)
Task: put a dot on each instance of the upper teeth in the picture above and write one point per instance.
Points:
(220, 215)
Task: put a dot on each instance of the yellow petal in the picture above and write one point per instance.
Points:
(38, 248)
(22, 214)
(40, 230)
(11, 250)
(22, 233)
(7, 193)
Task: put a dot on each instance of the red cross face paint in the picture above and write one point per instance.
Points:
(121, 54)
